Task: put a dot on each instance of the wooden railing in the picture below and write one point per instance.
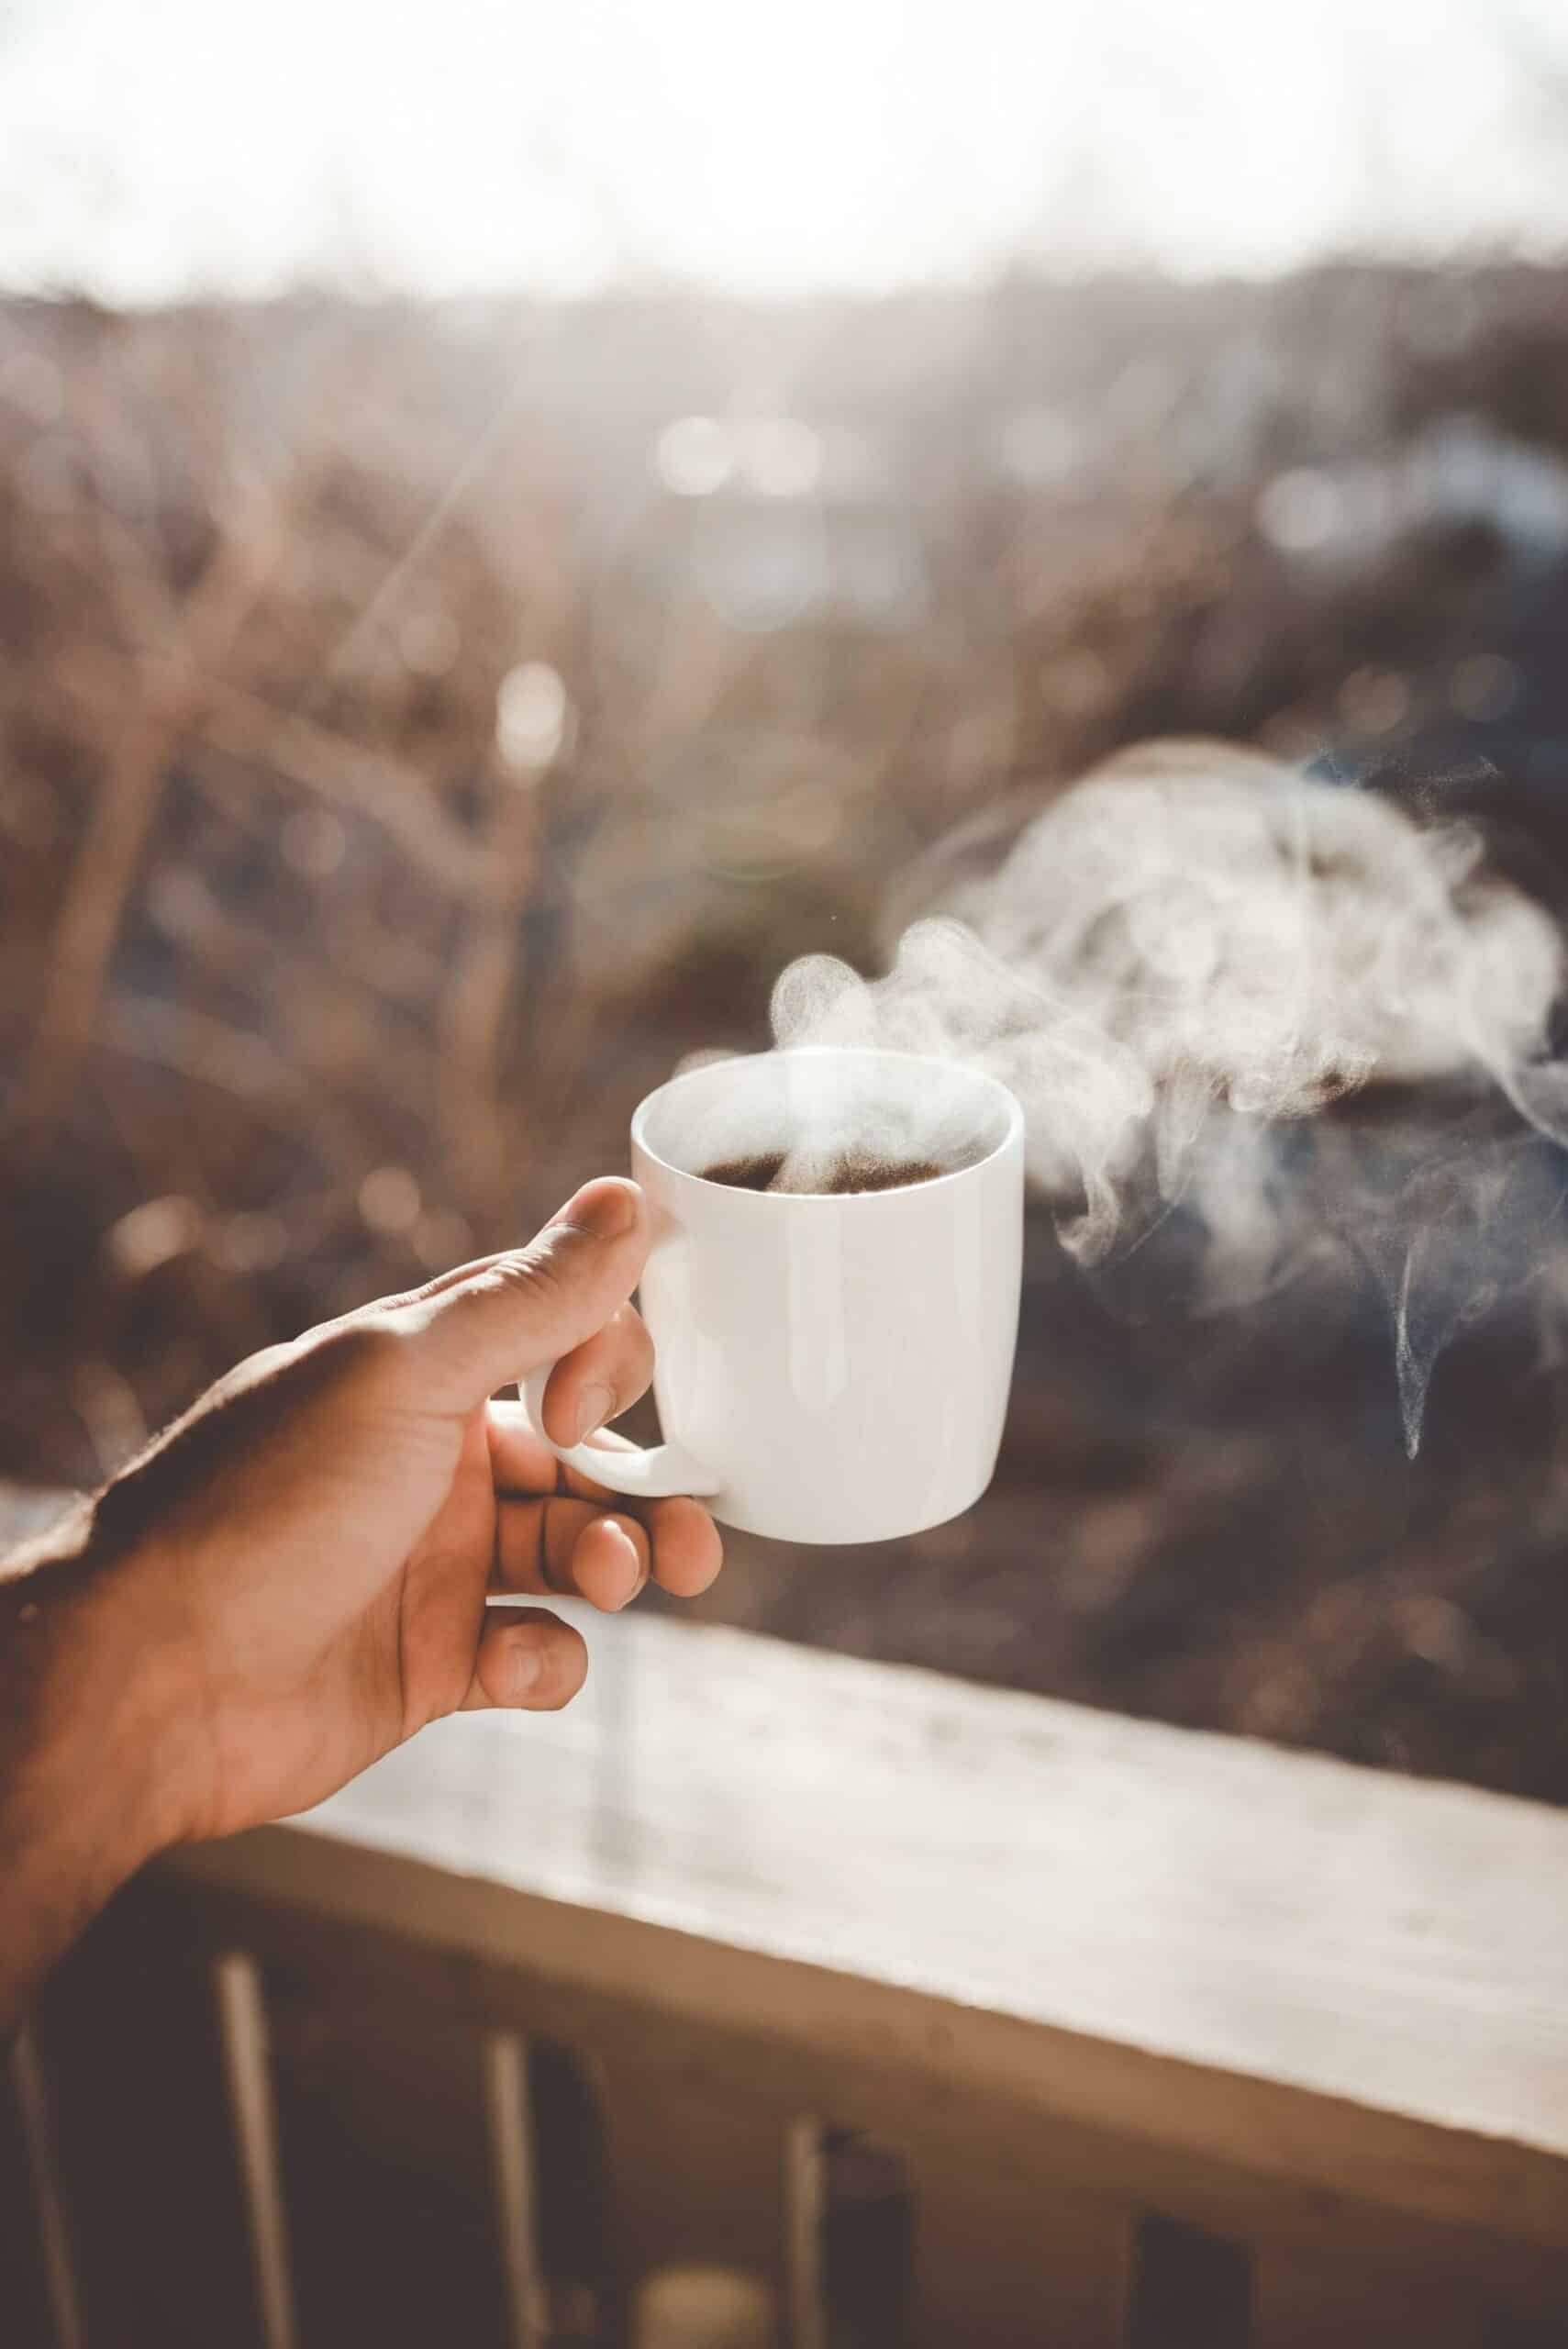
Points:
(951, 2016)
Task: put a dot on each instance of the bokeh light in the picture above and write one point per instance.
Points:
(532, 715)
(389, 1201)
(693, 456)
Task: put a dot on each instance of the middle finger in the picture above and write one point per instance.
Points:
(562, 1543)
(567, 1548)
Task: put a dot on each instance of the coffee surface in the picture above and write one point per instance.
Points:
(856, 1171)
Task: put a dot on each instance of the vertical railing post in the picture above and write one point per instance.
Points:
(510, 2129)
(242, 2028)
(803, 2168)
(61, 2292)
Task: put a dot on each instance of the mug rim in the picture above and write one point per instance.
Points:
(1013, 1131)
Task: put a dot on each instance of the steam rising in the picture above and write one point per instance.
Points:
(1194, 951)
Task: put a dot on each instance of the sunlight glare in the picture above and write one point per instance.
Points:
(480, 145)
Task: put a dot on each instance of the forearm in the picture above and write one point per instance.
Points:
(78, 1752)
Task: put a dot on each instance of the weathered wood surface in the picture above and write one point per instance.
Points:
(1272, 1962)
(1185, 1925)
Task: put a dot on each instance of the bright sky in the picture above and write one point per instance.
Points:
(151, 147)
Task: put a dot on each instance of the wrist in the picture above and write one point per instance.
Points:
(88, 1718)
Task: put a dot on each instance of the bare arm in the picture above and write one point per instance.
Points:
(79, 1740)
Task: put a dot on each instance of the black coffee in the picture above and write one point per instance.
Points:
(856, 1171)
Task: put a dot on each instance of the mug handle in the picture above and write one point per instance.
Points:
(656, 1472)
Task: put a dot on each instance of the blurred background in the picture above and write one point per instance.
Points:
(515, 523)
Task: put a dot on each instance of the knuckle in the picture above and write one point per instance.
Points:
(537, 1273)
(362, 1352)
(554, 1538)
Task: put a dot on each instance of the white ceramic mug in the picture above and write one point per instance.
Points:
(828, 1368)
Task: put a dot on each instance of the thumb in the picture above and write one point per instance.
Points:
(495, 1321)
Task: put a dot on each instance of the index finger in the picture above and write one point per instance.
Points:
(521, 1461)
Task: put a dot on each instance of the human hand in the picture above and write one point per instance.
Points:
(294, 1577)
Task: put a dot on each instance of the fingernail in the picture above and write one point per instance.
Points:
(597, 1404)
(527, 1666)
(639, 1571)
(602, 1210)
